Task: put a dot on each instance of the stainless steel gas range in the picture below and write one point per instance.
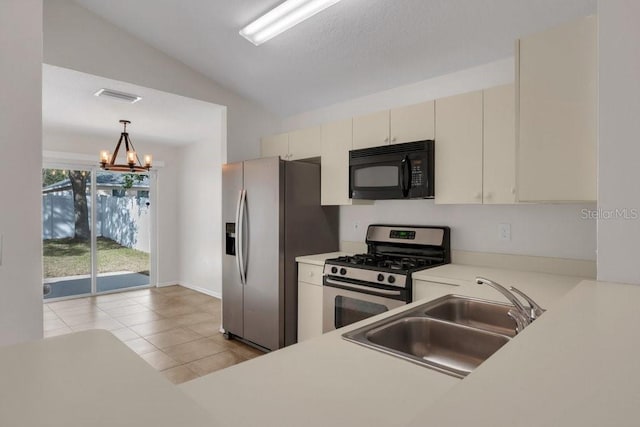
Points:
(360, 286)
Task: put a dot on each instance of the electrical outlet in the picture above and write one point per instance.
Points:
(356, 225)
(504, 231)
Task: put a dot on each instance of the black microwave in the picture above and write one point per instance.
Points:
(398, 171)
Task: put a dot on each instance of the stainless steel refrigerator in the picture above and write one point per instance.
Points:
(271, 214)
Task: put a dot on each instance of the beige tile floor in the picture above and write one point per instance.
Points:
(175, 329)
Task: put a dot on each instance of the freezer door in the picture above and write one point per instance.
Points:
(232, 289)
(263, 258)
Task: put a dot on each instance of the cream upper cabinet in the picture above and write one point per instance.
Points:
(336, 143)
(371, 130)
(412, 123)
(304, 143)
(275, 145)
(295, 145)
(557, 117)
(499, 153)
(458, 163)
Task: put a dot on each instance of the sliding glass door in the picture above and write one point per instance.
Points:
(123, 231)
(66, 232)
(96, 231)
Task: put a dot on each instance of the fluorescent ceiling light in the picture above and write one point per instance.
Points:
(278, 20)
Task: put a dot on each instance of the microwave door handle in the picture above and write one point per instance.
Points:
(406, 176)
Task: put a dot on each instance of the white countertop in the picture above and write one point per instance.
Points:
(319, 259)
(330, 381)
(545, 289)
(88, 379)
(578, 365)
(325, 381)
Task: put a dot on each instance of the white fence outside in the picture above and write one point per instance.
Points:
(126, 220)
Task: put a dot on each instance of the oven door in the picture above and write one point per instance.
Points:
(345, 303)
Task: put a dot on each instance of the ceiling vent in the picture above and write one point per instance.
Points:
(120, 96)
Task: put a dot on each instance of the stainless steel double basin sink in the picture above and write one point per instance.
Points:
(452, 334)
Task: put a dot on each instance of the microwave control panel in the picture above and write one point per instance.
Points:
(417, 174)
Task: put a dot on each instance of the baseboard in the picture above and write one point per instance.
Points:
(165, 284)
(563, 266)
(209, 292)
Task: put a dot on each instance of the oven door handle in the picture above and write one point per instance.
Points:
(355, 287)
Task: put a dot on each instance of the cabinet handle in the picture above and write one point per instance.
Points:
(513, 190)
(386, 140)
(393, 139)
(310, 274)
(478, 195)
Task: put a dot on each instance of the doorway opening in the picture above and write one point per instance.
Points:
(96, 231)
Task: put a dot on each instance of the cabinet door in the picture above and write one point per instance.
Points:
(275, 145)
(309, 311)
(499, 165)
(458, 151)
(371, 130)
(336, 143)
(557, 85)
(304, 143)
(413, 123)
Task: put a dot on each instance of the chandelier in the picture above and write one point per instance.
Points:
(133, 165)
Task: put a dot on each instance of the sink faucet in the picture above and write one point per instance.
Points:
(523, 316)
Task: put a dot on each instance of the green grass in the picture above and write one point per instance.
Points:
(72, 257)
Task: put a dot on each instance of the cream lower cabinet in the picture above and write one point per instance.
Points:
(557, 93)
(458, 150)
(309, 301)
(499, 146)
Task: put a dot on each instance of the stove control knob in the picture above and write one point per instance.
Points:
(380, 278)
(391, 279)
(334, 270)
(343, 271)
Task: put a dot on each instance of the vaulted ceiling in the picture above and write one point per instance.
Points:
(354, 48)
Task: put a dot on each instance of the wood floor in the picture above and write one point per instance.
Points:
(175, 329)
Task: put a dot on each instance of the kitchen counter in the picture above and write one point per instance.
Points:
(577, 365)
(88, 379)
(319, 259)
(545, 289)
(321, 382)
(330, 381)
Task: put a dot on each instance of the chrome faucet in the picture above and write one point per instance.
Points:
(523, 316)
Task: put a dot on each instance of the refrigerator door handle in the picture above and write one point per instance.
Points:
(239, 237)
(243, 261)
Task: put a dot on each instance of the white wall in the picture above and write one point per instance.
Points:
(20, 160)
(200, 216)
(166, 199)
(80, 40)
(618, 145)
(542, 230)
